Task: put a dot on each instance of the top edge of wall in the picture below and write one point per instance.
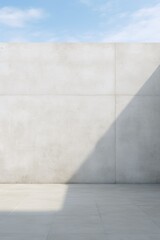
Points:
(81, 43)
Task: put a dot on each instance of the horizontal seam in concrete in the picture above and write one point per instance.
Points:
(79, 95)
(138, 95)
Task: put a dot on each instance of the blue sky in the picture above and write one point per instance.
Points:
(80, 21)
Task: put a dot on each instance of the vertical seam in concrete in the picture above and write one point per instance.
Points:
(115, 119)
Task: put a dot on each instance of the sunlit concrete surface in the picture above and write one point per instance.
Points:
(80, 212)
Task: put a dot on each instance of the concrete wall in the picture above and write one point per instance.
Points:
(79, 113)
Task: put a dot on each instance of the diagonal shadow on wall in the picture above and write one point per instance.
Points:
(137, 135)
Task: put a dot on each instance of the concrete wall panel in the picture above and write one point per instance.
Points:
(46, 139)
(137, 64)
(138, 140)
(57, 68)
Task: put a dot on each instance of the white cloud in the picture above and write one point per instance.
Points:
(101, 8)
(143, 26)
(15, 17)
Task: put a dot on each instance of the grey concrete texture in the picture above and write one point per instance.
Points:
(136, 69)
(46, 138)
(57, 68)
(79, 211)
(138, 140)
(79, 113)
